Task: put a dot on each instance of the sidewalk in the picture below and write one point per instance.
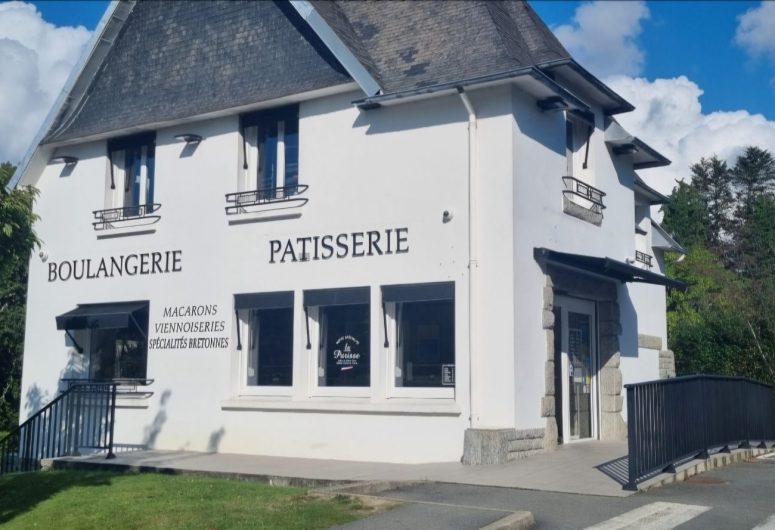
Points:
(590, 468)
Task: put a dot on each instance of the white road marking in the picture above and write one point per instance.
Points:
(654, 516)
(767, 524)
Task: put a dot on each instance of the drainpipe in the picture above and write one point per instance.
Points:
(473, 250)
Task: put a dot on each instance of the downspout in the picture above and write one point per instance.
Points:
(473, 248)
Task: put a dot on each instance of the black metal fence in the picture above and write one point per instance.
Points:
(672, 421)
(82, 417)
(241, 201)
(114, 217)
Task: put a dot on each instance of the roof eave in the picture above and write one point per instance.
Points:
(619, 104)
(107, 22)
(572, 101)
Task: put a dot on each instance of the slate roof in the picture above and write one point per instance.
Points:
(179, 59)
(186, 58)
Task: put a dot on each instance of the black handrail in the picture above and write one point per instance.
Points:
(644, 258)
(122, 214)
(672, 421)
(83, 416)
(240, 200)
(574, 186)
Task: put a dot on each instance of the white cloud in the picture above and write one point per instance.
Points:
(602, 36)
(37, 58)
(669, 117)
(756, 30)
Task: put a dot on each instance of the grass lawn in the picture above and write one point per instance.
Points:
(99, 499)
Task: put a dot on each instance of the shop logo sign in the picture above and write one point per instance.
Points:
(344, 356)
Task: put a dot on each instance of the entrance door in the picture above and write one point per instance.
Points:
(577, 359)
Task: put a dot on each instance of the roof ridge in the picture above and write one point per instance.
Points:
(513, 41)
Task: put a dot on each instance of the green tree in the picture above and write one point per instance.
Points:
(686, 216)
(17, 239)
(713, 180)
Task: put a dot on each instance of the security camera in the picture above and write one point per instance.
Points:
(43, 255)
(447, 216)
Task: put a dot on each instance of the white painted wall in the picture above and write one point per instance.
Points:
(399, 166)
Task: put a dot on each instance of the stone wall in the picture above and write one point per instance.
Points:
(666, 357)
(498, 446)
(571, 283)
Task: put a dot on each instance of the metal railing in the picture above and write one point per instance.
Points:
(240, 201)
(125, 215)
(644, 258)
(576, 188)
(82, 417)
(672, 421)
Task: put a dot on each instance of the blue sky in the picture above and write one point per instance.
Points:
(701, 74)
(696, 39)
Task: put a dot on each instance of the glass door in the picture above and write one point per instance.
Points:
(578, 369)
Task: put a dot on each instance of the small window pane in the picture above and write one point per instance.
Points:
(425, 343)
(291, 155)
(149, 171)
(270, 360)
(267, 163)
(344, 358)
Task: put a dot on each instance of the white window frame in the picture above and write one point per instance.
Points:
(244, 357)
(249, 180)
(392, 367)
(117, 197)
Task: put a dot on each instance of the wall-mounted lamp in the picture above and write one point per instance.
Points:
(189, 138)
(625, 149)
(66, 160)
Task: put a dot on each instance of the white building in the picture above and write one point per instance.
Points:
(378, 231)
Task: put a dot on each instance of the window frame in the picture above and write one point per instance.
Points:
(119, 173)
(243, 350)
(390, 353)
(250, 127)
(312, 317)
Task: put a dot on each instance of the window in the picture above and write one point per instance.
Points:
(132, 174)
(344, 338)
(424, 336)
(117, 336)
(271, 151)
(269, 349)
(577, 137)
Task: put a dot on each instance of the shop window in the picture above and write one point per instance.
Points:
(344, 338)
(269, 345)
(118, 338)
(271, 152)
(424, 333)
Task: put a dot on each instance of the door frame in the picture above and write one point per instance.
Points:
(589, 307)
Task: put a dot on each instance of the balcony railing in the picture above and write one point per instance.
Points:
(142, 214)
(253, 200)
(589, 194)
(644, 258)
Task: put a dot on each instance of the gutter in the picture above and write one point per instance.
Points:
(453, 87)
(473, 250)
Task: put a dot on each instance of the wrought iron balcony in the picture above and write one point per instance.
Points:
(255, 200)
(124, 216)
(592, 198)
(644, 258)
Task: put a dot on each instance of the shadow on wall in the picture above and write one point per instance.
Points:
(74, 369)
(35, 399)
(416, 115)
(153, 430)
(628, 317)
(547, 129)
(215, 440)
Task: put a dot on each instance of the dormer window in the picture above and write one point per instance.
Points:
(129, 197)
(270, 161)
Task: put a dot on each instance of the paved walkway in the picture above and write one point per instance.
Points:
(590, 468)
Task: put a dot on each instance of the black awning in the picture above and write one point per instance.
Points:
(104, 316)
(606, 267)
(277, 300)
(346, 296)
(419, 292)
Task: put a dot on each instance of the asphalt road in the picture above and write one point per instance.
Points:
(740, 496)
